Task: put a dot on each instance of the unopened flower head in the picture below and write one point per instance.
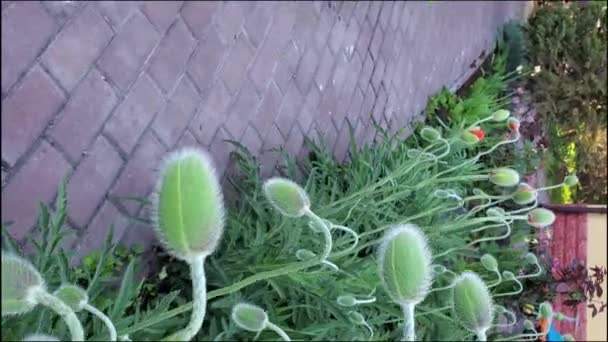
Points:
(504, 177)
(20, 281)
(473, 135)
(524, 194)
(571, 180)
(189, 208)
(286, 196)
(513, 124)
(249, 317)
(74, 296)
(500, 115)
(540, 218)
(489, 262)
(472, 302)
(405, 264)
(430, 134)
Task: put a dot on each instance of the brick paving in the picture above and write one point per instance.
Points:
(100, 91)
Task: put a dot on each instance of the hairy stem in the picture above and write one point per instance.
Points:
(199, 292)
(408, 322)
(326, 233)
(481, 335)
(278, 330)
(104, 319)
(64, 311)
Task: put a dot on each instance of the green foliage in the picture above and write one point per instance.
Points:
(569, 43)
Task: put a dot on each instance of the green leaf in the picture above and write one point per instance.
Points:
(125, 292)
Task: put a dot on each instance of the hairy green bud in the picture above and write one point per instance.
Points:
(540, 218)
(287, 197)
(249, 317)
(495, 212)
(189, 208)
(504, 177)
(513, 124)
(500, 115)
(545, 310)
(489, 262)
(305, 254)
(524, 194)
(20, 282)
(528, 325)
(439, 269)
(472, 302)
(73, 296)
(531, 258)
(405, 264)
(571, 180)
(508, 275)
(356, 317)
(569, 337)
(430, 134)
(346, 300)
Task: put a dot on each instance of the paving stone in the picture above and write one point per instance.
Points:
(173, 120)
(211, 114)
(84, 114)
(257, 23)
(116, 12)
(161, 13)
(169, 60)
(232, 14)
(236, 64)
(91, 179)
(241, 110)
(134, 114)
(36, 181)
(123, 59)
(70, 56)
(138, 176)
(206, 60)
(26, 29)
(268, 109)
(63, 10)
(199, 15)
(23, 120)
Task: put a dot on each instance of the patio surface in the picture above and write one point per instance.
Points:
(100, 91)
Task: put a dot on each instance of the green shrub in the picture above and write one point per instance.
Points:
(569, 43)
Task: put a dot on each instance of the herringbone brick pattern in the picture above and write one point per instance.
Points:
(100, 91)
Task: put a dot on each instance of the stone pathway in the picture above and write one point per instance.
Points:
(100, 91)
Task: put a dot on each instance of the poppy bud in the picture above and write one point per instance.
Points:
(489, 262)
(500, 115)
(287, 197)
(405, 264)
(524, 194)
(472, 302)
(504, 177)
(571, 180)
(473, 135)
(20, 281)
(73, 296)
(249, 317)
(347, 300)
(189, 205)
(540, 218)
(513, 124)
(430, 134)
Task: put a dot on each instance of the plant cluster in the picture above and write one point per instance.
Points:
(568, 41)
(384, 246)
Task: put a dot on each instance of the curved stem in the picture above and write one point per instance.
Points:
(199, 292)
(408, 322)
(278, 330)
(519, 337)
(351, 232)
(369, 328)
(498, 281)
(62, 310)
(518, 291)
(521, 210)
(555, 186)
(365, 301)
(539, 271)
(104, 319)
(485, 239)
(326, 233)
(441, 288)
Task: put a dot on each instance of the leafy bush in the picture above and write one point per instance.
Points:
(569, 43)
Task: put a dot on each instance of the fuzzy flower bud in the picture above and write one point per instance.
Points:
(189, 208)
(489, 262)
(473, 135)
(430, 134)
(569, 338)
(405, 264)
(73, 296)
(508, 275)
(500, 115)
(287, 197)
(249, 317)
(545, 310)
(524, 194)
(528, 325)
(513, 124)
(20, 281)
(472, 302)
(571, 180)
(531, 258)
(504, 177)
(346, 300)
(540, 218)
